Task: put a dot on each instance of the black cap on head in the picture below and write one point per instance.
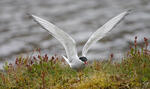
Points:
(84, 59)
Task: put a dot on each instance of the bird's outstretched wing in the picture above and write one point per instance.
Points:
(66, 40)
(101, 32)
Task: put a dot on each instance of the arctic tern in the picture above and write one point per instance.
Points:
(69, 43)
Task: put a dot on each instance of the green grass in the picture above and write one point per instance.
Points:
(42, 72)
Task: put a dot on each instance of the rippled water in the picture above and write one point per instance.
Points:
(79, 18)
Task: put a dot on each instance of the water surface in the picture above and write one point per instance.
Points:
(19, 34)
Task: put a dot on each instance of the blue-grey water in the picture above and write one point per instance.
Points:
(19, 34)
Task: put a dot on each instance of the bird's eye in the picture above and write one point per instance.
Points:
(84, 59)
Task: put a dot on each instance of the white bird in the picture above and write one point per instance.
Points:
(69, 44)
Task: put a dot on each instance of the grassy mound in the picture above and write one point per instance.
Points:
(42, 72)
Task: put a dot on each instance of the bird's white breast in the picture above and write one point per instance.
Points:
(77, 65)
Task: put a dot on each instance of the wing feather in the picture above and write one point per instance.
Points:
(66, 40)
(101, 32)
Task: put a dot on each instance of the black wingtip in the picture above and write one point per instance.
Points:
(130, 11)
(32, 17)
(29, 14)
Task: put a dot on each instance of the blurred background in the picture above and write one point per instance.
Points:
(20, 35)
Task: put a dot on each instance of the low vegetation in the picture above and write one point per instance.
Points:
(43, 72)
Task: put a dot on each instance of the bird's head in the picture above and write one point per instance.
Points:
(83, 59)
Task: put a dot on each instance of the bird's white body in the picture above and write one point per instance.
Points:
(76, 63)
(69, 44)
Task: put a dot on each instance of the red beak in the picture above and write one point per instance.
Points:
(85, 62)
